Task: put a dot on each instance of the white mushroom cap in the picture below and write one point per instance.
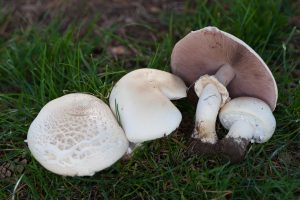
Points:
(253, 111)
(141, 100)
(76, 135)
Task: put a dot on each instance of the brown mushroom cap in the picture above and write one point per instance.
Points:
(206, 50)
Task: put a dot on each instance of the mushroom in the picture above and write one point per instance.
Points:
(219, 64)
(248, 120)
(141, 102)
(76, 135)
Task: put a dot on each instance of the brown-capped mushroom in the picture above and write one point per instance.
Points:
(220, 65)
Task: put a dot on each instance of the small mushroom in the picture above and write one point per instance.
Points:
(248, 120)
(141, 102)
(76, 135)
(219, 65)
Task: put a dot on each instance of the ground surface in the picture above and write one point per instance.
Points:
(50, 48)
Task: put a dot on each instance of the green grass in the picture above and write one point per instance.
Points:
(40, 63)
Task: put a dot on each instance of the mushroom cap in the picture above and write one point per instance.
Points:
(252, 110)
(141, 101)
(76, 135)
(206, 50)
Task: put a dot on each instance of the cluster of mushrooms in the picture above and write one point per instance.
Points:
(78, 134)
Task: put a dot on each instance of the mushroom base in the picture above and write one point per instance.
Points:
(202, 148)
(232, 149)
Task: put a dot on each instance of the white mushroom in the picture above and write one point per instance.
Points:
(141, 102)
(248, 118)
(212, 95)
(76, 135)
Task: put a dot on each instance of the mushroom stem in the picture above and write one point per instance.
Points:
(225, 74)
(241, 129)
(235, 144)
(206, 114)
(211, 98)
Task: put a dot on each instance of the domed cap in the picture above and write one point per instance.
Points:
(76, 135)
(254, 112)
(206, 50)
(141, 100)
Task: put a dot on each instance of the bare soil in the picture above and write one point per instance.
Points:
(24, 13)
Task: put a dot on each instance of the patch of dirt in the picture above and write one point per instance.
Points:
(226, 148)
(137, 20)
(24, 13)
